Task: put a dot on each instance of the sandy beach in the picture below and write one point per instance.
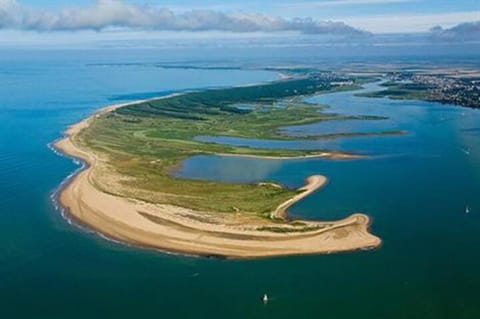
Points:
(178, 229)
(314, 182)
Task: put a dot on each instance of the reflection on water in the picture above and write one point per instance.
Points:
(341, 126)
(227, 168)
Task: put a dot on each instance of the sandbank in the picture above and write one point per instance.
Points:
(179, 229)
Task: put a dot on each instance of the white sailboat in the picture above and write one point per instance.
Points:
(265, 298)
(467, 210)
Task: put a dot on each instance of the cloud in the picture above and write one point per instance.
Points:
(461, 32)
(409, 22)
(333, 3)
(106, 14)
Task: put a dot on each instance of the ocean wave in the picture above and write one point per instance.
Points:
(72, 221)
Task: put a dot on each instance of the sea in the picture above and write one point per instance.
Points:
(416, 187)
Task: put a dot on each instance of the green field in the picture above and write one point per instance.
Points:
(147, 141)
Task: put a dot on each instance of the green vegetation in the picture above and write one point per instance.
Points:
(146, 141)
(401, 91)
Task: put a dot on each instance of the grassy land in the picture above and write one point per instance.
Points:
(146, 141)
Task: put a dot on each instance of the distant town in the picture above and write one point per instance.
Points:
(463, 91)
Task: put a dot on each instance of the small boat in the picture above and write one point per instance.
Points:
(467, 210)
(265, 298)
(466, 151)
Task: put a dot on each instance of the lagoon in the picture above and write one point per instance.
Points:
(415, 187)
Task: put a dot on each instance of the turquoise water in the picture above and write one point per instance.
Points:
(416, 189)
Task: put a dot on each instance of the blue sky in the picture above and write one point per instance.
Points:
(378, 16)
(323, 8)
(359, 21)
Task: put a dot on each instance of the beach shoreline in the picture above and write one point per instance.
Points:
(178, 229)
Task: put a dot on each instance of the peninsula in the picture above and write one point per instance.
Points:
(127, 190)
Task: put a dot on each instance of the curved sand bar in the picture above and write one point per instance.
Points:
(314, 182)
(179, 229)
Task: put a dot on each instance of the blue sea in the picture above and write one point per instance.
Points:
(415, 187)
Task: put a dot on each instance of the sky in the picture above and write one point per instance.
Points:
(446, 20)
(378, 16)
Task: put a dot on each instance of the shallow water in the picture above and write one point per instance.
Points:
(428, 127)
(415, 189)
